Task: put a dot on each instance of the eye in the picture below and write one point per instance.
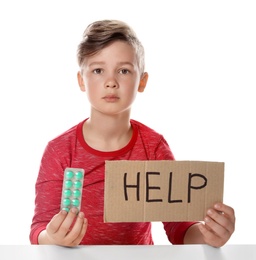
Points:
(97, 71)
(124, 71)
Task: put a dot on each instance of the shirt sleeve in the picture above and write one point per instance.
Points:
(48, 192)
(175, 231)
(163, 151)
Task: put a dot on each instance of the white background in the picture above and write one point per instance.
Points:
(201, 59)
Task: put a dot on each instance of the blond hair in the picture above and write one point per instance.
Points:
(102, 33)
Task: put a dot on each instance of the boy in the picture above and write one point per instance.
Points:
(111, 60)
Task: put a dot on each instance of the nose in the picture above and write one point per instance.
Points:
(111, 82)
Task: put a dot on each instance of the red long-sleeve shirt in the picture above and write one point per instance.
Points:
(70, 150)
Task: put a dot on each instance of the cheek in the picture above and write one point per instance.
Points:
(90, 93)
(88, 84)
(93, 93)
(130, 93)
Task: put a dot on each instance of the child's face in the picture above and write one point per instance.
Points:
(111, 78)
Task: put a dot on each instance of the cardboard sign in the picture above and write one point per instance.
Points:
(143, 191)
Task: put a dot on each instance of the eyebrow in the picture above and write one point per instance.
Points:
(96, 63)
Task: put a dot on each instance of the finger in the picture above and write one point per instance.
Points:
(82, 233)
(54, 225)
(77, 228)
(220, 222)
(67, 223)
(215, 233)
(210, 237)
(227, 210)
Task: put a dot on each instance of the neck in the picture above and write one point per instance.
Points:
(107, 133)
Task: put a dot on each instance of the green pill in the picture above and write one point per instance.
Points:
(69, 174)
(66, 209)
(68, 184)
(79, 175)
(75, 202)
(77, 193)
(66, 202)
(67, 193)
(77, 184)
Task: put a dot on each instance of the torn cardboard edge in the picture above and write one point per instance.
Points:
(165, 190)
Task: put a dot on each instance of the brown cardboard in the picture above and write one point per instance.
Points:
(142, 191)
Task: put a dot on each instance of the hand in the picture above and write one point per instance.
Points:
(219, 225)
(65, 229)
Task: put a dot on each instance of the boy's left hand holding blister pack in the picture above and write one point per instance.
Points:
(68, 227)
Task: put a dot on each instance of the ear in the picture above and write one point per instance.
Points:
(143, 82)
(80, 81)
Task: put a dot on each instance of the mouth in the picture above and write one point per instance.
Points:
(111, 98)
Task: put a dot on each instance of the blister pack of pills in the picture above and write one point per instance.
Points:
(72, 188)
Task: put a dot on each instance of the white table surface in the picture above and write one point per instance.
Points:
(158, 252)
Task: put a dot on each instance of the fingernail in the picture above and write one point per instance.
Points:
(217, 206)
(209, 212)
(74, 210)
(81, 215)
(206, 220)
(64, 212)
